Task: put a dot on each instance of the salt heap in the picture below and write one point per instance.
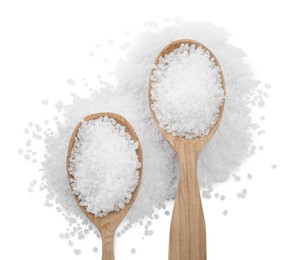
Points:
(104, 165)
(220, 158)
(187, 92)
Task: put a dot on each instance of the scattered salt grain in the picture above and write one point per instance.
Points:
(187, 92)
(167, 213)
(148, 232)
(225, 212)
(222, 197)
(249, 176)
(45, 102)
(20, 151)
(77, 251)
(95, 249)
(27, 157)
(70, 243)
(38, 127)
(133, 251)
(71, 82)
(273, 166)
(243, 194)
(104, 164)
(28, 143)
(237, 178)
(206, 194)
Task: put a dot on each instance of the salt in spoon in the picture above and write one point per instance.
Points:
(108, 224)
(188, 232)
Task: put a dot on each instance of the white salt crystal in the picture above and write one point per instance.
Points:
(187, 92)
(249, 176)
(206, 194)
(237, 178)
(77, 251)
(148, 232)
(222, 197)
(71, 82)
(95, 249)
(27, 157)
(45, 102)
(273, 166)
(70, 243)
(225, 212)
(133, 251)
(104, 164)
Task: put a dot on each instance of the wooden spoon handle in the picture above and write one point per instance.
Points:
(188, 231)
(107, 247)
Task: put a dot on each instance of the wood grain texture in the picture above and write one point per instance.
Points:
(188, 232)
(108, 224)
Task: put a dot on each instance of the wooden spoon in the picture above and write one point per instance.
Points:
(108, 224)
(188, 231)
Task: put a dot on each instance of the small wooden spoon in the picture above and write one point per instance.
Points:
(188, 231)
(108, 224)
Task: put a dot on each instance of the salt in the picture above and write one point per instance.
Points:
(104, 164)
(77, 251)
(187, 92)
(220, 158)
(71, 82)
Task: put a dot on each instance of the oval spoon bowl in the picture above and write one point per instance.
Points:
(108, 224)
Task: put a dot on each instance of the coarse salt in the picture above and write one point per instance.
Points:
(187, 92)
(104, 165)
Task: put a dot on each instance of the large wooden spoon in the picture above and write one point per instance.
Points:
(107, 225)
(188, 231)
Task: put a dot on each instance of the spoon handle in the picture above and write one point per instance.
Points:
(107, 247)
(188, 231)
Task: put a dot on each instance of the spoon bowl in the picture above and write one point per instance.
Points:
(108, 224)
(188, 231)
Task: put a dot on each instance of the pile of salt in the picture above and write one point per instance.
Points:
(104, 165)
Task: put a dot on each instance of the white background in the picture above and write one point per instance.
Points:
(43, 43)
